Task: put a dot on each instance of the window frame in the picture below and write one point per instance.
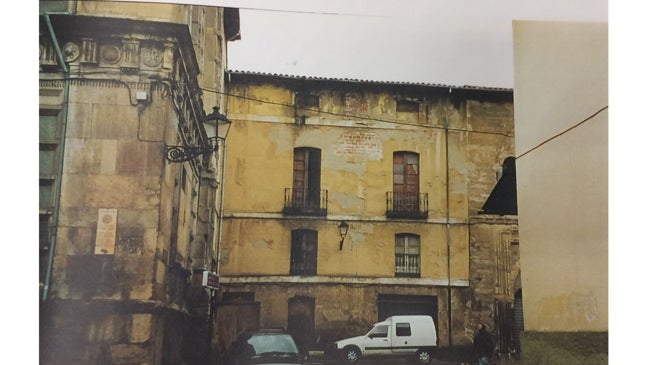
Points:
(409, 242)
(403, 329)
(303, 260)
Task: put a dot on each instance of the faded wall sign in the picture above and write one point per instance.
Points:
(106, 231)
(365, 144)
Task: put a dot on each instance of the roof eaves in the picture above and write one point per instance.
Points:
(399, 83)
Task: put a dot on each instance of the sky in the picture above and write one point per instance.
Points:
(450, 42)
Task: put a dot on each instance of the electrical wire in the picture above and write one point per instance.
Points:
(349, 115)
(565, 131)
(309, 12)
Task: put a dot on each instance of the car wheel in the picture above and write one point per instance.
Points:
(351, 354)
(423, 356)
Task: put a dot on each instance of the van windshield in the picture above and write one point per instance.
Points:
(378, 331)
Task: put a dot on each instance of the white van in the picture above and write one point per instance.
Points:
(396, 336)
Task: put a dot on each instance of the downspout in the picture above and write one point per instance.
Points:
(57, 196)
(221, 186)
(212, 307)
(448, 231)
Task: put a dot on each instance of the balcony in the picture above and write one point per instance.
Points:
(309, 202)
(407, 265)
(407, 205)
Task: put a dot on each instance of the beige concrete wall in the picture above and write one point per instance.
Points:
(561, 79)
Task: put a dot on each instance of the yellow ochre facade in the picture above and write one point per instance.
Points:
(406, 166)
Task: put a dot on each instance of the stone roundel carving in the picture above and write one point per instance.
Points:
(70, 51)
(152, 56)
(110, 54)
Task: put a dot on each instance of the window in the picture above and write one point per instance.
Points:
(379, 331)
(406, 180)
(304, 252)
(307, 100)
(406, 201)
(48, 158)
(408, 106)
(402, 329)
(407, 255)
(49, 133)
(306, 193)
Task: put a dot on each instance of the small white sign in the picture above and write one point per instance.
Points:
(106, 231)
(210, 280)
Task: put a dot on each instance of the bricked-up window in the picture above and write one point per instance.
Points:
(304, 252)
(307, 100)
(408, 106)
(407, 255)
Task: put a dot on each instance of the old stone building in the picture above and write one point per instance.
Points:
(129, 179)
(349, 201)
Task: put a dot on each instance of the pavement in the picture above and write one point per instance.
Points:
(317, 358)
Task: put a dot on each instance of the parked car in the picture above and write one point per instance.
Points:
(400, 336)
(266, 346)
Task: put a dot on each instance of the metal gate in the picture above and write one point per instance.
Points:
(390, 305)
(233, 319)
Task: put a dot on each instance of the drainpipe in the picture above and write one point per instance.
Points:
(448, 231)
(59, 176)
(221, 187)
(212, 308)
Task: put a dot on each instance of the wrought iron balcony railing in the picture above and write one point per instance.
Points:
(310, 202)
(407, 205)
(407, 265)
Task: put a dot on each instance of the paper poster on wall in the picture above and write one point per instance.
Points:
(106, 231)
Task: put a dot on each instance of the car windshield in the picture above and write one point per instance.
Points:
(273, 343)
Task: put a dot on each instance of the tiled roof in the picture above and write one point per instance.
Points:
(423, 84)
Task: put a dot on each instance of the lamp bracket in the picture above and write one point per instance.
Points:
(187, 153)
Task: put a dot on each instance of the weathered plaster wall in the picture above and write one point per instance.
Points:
(262, 247)
(358, 129)
(334, 319)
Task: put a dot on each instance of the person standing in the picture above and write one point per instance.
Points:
(483, 345)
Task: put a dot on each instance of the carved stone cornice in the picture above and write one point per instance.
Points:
(114, 45)
(121, 51)
(111, 55)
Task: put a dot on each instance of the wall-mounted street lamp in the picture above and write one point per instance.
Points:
(343, 231)
(221, 125)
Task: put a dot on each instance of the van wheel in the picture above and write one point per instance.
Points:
(423, 356)
(351, 354)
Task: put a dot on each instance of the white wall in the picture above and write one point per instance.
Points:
(560, 73)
